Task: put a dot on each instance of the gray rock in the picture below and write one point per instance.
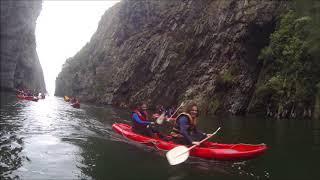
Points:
(20, 65)
(169, 51)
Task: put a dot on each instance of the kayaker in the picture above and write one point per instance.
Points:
(141, 123)
(169, 111)
(73, 100)
(160, 109)
(77, 101)
(185, 129)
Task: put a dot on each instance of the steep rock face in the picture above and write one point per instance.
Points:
(20, 65)
(170, 51)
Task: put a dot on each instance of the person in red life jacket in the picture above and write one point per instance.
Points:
(185, 130)
(73, 100)
(141, 123)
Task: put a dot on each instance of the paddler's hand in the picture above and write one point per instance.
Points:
(168, 119)
(151, 123)
(195, 143)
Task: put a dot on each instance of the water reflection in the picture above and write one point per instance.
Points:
(11, 144)
(316, 134)
(31, 145)
(49, 157)
(10, 150)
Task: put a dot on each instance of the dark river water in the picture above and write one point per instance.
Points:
(49, 139)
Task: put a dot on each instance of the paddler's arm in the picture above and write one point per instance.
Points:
(138, 120)
(203, 135)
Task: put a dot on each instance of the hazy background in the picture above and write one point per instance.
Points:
(63, 28)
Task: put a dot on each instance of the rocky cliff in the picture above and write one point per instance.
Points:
(20, 65)
(169, 51)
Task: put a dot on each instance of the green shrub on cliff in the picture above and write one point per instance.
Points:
(287, 84)
(225, 80)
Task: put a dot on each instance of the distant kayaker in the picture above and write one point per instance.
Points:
(73, 100)
(185, 130)
(141, 123)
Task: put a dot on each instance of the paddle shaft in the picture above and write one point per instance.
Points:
(203, 140)
(176, 110)
(200, 141)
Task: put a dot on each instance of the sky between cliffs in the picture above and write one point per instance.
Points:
(63, 28)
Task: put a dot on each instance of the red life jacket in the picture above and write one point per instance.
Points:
(143, 116)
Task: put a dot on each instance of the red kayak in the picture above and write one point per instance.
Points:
(156, 115)
(76, 105)
(30, 98)
(207, 150)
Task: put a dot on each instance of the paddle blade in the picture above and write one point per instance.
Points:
(177, 155)
(160, 119)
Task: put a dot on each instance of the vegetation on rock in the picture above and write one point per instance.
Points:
(287, 86)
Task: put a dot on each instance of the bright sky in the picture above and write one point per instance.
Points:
(63, 28)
